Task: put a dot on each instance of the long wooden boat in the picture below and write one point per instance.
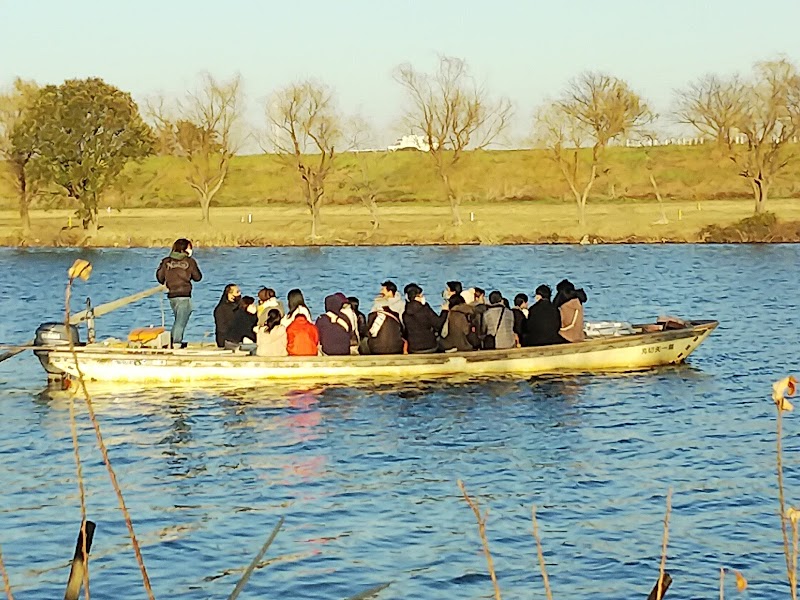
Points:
(640, 350)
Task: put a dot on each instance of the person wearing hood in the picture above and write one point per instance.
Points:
(571, 309)
(384, 331)
(543, 322)
(499, 322)
(460, 332)
(244, 324)
(177, 271)
(223, 313)
(266, 302)
(421, 323)
(389, 296)
(334, 327)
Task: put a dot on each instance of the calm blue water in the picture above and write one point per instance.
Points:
(366, 477)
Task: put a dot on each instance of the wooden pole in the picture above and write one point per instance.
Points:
(665, 583)
(106, 308)
(77, 573)
(100, 310)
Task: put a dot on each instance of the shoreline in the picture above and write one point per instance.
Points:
(418, 224)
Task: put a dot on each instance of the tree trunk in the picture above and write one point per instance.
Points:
(205, 207)
(664, 220)
(582, 215)
(93, 225)
(760, 192)
(454, 200)
(373, 213)
(314, 219)
(24, 211)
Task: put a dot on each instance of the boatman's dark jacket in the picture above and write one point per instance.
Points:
(177, 271)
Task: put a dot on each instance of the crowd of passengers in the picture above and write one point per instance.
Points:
(398, 324)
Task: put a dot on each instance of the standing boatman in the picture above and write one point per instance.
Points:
(177, 271)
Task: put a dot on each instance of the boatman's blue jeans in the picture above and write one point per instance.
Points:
(181, 308)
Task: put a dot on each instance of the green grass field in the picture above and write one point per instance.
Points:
(515, 196)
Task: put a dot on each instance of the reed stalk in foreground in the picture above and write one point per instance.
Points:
(780, 389)
(481, 519)
(82, 269)
(664, 542)
(542, 566)
(6, 581)
(741, 582)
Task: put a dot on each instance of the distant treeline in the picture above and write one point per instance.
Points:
(87, 144)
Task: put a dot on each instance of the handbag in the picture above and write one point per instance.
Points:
(490, 340)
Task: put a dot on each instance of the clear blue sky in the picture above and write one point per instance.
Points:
(523, 49)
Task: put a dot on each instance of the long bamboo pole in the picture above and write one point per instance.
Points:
(99, 311)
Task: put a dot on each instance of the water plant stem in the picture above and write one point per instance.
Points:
(481, 518)
(542, 566)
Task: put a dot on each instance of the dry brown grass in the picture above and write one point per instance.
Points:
(498, 222)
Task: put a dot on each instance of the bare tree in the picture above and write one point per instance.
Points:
(713, 106)
(304, 127)
(765, 112)
(363, 177)
(769, 122)
(453, 114)
(16, 156)
(206, 134)
(594, 110)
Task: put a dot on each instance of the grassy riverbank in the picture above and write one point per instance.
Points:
(400, 223)
(516, 196)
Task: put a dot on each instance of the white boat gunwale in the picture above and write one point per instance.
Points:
(658, 348)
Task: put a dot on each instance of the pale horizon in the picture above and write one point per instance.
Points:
(524, 51)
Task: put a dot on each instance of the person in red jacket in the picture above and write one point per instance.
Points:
(301, 334)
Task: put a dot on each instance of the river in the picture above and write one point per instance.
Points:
(366, 477)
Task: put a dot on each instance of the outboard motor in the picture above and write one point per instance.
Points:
(54, 334)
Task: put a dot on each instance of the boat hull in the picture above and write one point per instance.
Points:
(624, 353)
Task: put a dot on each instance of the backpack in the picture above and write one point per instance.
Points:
(490, 339)
(473, 336)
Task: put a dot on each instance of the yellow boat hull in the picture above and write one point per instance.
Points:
(624, 353)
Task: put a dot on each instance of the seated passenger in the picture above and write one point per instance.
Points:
(243, 324)
(223, 313)
(361, 318)
(421, 323)
(384, 332)
(388, 296)
(543, 322)
(297, 306)
(571, 310)
(451, 289)
(334, 327)
(266, 302)
(271, 337)
(302, 337)
(561, 293)
(479, 306)
(520, 314)
(458, 332)
(499, 322)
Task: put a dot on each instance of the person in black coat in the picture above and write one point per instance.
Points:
(384, 332)
(421, 323)
(223, 313)
(543, 322)
(243, 323)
